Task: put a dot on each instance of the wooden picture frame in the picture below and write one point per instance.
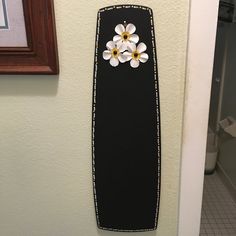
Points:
(40, 56)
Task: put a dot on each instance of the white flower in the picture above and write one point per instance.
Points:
(136, 54)
(125, 34)
(114, 53)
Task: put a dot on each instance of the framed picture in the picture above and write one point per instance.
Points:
(28, 42)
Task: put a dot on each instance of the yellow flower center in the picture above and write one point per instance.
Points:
(125, 36)
(136, 55)
(115, 52)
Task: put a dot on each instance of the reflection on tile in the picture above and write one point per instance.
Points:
(218, 209)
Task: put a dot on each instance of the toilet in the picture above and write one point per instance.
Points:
(211, 153)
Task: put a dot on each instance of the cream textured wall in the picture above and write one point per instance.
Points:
(45, 129)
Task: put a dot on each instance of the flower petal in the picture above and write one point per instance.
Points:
(117, 38)
(134, 38)
(134, 63)
(120, 29)
(125, 45)
(130, 28)
(122, 58)
(131, 47)
(128, 55)
(114, 62)
(110, 45)
(121, 46)
(141, 47)
(106, 55)
(143, 57)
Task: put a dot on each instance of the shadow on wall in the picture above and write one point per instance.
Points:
(108, 233)
(28, 85)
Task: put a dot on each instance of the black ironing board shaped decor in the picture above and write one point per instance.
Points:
(126, 120)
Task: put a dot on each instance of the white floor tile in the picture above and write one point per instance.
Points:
(218, 209)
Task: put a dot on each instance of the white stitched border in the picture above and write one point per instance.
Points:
(158, 114)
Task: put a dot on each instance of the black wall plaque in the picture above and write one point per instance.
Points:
(126, 121)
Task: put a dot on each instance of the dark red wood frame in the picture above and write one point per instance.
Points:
(40, 56)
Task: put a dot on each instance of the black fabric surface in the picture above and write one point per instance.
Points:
(125, 132)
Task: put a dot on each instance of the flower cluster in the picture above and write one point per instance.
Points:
(124, 47)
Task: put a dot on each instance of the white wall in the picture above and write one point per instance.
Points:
(229, 95)
(228, 148)
(45, 129)
(201, 45)
(218, 74)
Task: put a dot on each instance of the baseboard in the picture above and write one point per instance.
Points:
(226, 179)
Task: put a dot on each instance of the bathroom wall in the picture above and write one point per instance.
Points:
(224, 56)
(217, 77)
(229, 95)
(227, 153)
(45, 129)
(228, 1)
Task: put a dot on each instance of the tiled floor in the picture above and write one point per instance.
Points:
(219, 209)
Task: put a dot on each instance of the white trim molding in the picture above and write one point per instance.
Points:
(201, 45)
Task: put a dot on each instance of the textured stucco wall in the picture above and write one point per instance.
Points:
(45, 130)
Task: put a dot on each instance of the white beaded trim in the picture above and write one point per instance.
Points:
(158, 115)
